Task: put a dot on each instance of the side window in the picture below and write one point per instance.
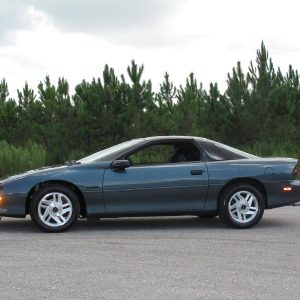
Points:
(154, 154)
(166, 153)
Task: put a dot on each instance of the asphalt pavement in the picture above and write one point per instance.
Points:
(153, 258)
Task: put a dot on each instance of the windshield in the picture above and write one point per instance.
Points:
(109, 153)
(218, 151)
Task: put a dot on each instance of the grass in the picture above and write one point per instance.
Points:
(274, 150)
(15, 159)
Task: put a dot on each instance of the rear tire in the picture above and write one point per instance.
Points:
(241, 206)
(54, 208)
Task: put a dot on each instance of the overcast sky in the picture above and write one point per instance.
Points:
(75, 39)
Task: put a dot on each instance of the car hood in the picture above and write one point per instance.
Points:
(32, 172)
(52, 169)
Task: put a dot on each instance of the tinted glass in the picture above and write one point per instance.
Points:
(170, 152)
(218, 151)
(154, 154)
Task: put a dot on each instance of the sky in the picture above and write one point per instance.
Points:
(75, 39)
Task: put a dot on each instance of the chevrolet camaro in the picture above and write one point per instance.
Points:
(155, 176)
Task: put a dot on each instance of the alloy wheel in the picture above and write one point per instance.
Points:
(55, 209)
(243, 206)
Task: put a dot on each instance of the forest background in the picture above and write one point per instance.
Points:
(259, 111)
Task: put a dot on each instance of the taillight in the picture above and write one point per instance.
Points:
(296, 171)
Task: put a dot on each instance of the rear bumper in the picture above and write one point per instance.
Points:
(13, 206)
(277, 197)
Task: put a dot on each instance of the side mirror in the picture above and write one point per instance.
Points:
(120, 164)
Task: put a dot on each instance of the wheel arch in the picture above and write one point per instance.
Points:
(68, 184)
(245, 180)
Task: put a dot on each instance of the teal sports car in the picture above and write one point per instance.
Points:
(155, 176)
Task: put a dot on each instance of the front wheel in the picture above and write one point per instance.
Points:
(241, 206)
(54, 208)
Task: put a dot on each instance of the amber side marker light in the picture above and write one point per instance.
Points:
(1, 199)
(287, 189)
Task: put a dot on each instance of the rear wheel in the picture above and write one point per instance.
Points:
(54, 208)
(241, 206)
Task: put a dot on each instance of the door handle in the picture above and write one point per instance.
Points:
(197, 172)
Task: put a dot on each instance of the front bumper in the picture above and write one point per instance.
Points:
(13, 206)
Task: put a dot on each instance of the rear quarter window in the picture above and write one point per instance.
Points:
(218, 151)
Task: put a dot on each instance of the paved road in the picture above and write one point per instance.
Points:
(153, 258)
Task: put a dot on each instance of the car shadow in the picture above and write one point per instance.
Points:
(8, 225)
(269, 223)
(151, 223)
(16, 225)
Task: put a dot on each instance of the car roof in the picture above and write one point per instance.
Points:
(169, 137)
(175, 137)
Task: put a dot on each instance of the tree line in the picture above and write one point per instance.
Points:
(259, 111)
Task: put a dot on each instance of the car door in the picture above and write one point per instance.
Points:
(156, 187)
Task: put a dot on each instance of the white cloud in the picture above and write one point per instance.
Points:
(204, 37)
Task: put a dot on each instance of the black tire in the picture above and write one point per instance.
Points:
(68, 196)
(208, 215)
(230, 218)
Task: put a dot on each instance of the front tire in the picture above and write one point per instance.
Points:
(241, 206)
(54, 208)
